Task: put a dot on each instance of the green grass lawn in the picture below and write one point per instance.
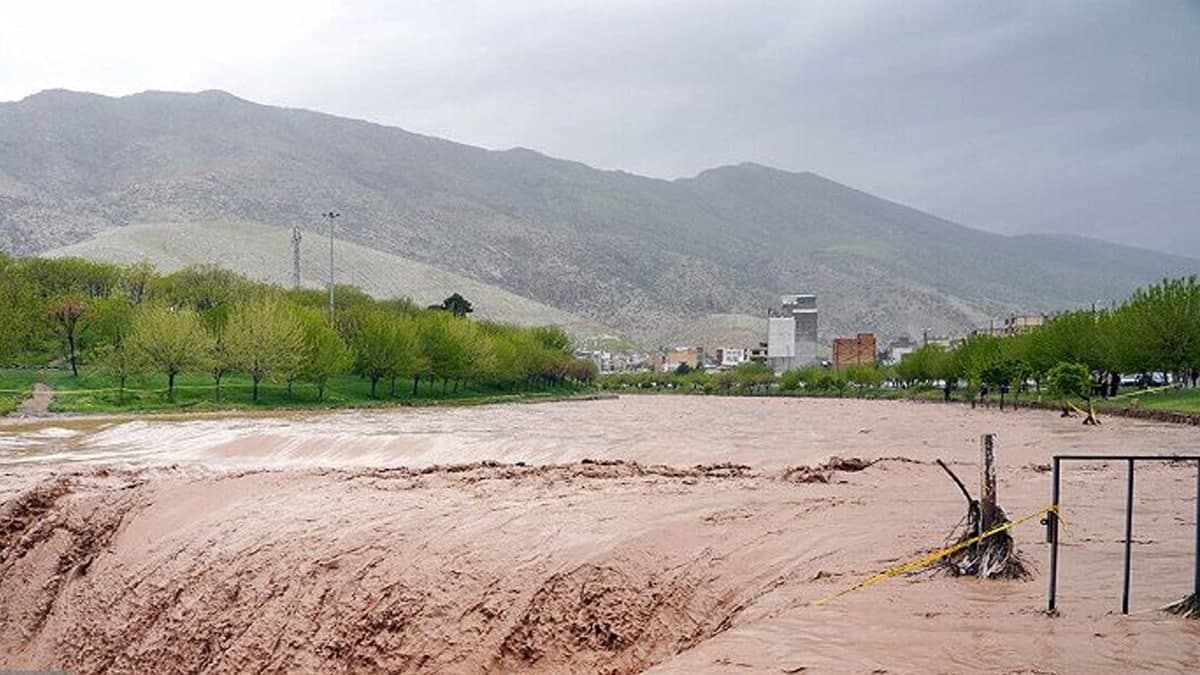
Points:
(15, 386)
(1175, 400)
(95, 393)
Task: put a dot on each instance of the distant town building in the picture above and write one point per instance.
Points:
(899, 348)
(1014, 324)
(792, 332)
(692, 356)
(657, 361)
(1019, 323)
(730, 357)
(990, 330)
(858, 350)
(943, 341)
(757, 354)
(614, 362)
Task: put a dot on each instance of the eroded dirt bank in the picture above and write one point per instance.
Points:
(596, 566)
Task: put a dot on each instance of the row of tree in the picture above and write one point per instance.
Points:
(754, 378)
(1155, 331)
(130, 320)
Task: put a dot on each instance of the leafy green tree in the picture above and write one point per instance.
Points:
(135, 280)
(457, 305)
(509, 347)
(170, 342)
(385, 347)
(975, 355)
(1069, 380)
(478, 355)
(1164, 322)
(58, 277)
(209, 290)
(1074, 337)
(411, 359)
(265, 339)
(328, 355)
(109, 320)
(120, 362)
(444, 347)
(220, 360)
(67, 312)
(553, 338)
(20, 318)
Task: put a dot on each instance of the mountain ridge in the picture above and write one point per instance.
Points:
(630, 251)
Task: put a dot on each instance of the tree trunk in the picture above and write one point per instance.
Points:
(171, 386)
(320, 390)
(393, 394)
(254, 388)
(416, 384)
(374, 381)
(71, 346)
(217, 378)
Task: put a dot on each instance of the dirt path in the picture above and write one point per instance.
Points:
(38, 404)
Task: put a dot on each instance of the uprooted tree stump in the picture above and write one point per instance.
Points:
(1089, 416)
(1189, 607)
(995, 557)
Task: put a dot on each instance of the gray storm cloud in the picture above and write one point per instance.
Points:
(1074, 117)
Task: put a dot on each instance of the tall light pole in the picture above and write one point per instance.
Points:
(330, 215)
(296, 236)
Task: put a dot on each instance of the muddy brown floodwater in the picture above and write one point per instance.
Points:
(648, 533)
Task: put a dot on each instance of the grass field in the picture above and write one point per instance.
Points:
(15, 386)
(94, 393)
(1185, 401)
(1175, 400)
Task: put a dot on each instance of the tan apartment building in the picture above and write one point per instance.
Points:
(692, 356)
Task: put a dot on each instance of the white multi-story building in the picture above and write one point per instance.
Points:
(730, 357)
(792, 332)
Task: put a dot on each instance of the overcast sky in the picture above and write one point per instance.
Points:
(1038, 116)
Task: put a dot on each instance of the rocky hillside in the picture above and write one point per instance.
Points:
(639, 254)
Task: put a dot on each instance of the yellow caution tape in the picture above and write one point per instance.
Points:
(935, 556)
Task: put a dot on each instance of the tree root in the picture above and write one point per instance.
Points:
(997, 555)
(1188, 608)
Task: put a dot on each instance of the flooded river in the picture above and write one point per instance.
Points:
(643, 533)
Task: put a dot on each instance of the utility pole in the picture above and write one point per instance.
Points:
(296, 257)
(330, 215)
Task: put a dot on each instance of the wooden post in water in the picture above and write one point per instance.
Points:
(987, 490)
